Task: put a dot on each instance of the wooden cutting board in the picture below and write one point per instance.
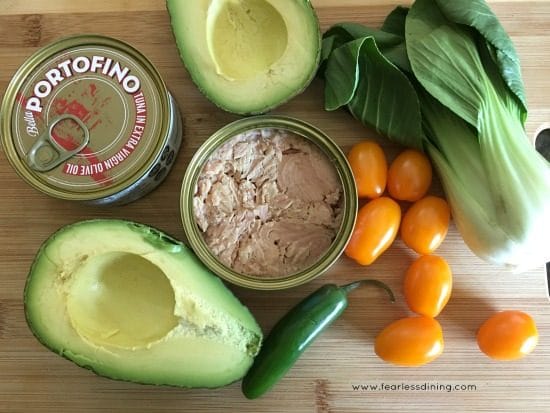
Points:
(330, 374)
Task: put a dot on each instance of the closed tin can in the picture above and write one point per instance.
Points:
(88, 118)
(302, 129)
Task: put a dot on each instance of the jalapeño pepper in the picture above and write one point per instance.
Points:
(295, 332)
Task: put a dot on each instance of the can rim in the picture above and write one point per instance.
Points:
(312, 134)
(9, 102)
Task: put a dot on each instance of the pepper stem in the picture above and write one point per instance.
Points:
(352, 286)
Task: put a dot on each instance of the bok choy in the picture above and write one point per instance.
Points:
(444, 77)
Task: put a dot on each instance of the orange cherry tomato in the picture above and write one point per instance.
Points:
(411, 341)
(370, 169)
(425, 224)
(427, 285)
(508, 335)
(409, 176)
(375, 229)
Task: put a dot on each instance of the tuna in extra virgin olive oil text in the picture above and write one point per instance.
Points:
(79, 65)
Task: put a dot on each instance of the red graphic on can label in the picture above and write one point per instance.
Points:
(88, 111)
(97, 166)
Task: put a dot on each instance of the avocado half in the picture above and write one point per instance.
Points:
(131, 303)
(247, 56)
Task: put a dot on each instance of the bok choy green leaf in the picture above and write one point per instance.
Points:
(359, 76)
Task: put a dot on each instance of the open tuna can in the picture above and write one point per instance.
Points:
(268, 202)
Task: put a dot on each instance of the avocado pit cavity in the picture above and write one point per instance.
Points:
(245, 37)
(121, 299)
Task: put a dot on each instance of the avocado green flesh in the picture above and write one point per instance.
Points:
(247, 56)
(130, 303)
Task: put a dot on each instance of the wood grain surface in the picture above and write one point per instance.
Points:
(33, 379)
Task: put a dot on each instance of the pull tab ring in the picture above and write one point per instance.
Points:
(46, 140)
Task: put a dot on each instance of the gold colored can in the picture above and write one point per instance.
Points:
(297, 127)
(89, 118)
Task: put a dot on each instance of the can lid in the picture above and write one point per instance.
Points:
(84, 117)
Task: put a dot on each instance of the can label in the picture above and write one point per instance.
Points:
(89, 117)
